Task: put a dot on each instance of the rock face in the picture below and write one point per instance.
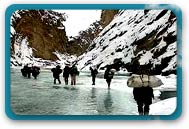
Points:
(144, 39)
(44, 31)
(107, 16)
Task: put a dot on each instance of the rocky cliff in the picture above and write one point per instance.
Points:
(44, 30)
(107, 16)
(135, 38)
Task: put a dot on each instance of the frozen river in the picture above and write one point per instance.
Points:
(42, 97)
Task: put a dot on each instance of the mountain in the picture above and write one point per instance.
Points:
(107, 16)
(43, 29)
(122, 38)
(40, 35)
(145, 38)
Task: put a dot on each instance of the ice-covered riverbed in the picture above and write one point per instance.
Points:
(42, 97)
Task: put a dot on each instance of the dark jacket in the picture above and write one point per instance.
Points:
(56, 72)
(108, 74)
(35, 71)
(74, 71)
(66, 71)
(143, 94)
(26, 70)
(94, 71)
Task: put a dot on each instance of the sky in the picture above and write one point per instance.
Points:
(78, 20)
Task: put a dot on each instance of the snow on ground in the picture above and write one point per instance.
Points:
(164, 107)
(65, 59)
(169, 83)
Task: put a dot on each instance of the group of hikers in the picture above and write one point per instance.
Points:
(27, 71)
(68, 71)
(142, 95)
(72, 71)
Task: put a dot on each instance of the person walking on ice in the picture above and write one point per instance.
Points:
(26, 71)
(35, 71)
(56, 73)
(73, 72)
(108, 75)
(143, 97)
(94, 72)
(66, 73)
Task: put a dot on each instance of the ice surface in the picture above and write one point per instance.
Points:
(42, 97)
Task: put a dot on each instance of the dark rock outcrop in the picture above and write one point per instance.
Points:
(44, 30)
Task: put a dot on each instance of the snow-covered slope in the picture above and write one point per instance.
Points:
(141, 35)
(41, 34)
(23, 55)
(164, 107)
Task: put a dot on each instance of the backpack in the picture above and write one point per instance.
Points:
(77, 73)
(95, 72)
(110, 74)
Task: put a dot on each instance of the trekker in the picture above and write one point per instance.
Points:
(108, 75)
(56, 72)
(94, 72)
(26, 71)
(143, 97)
(66, 74)
(35, 71)
(73, 73)
(23, 71)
